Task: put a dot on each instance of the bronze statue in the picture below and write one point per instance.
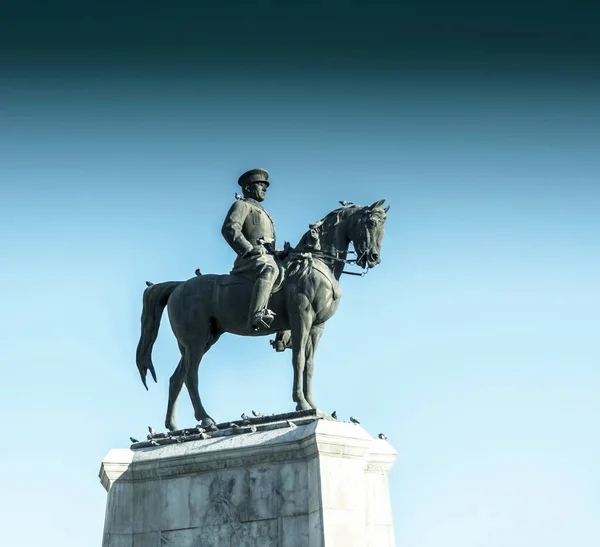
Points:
(250, 232)
(204, 307)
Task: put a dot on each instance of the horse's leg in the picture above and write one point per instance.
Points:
(191, 378)
(175, 385)
(301, 321)
(311, 347)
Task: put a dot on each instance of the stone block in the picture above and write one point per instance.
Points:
(119, 509)
(320, 484)
(147, 539)
(120, 540)
(315, 529)
(294, 531)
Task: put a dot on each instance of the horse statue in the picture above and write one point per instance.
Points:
(204, 307)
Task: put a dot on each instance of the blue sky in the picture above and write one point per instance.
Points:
(474, 345)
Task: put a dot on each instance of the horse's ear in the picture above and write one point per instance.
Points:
(386, 209)
(377, 204)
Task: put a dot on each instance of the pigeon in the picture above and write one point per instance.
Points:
(152, 432)
(291, 424)
(153, 442)
(238, 196)
(334, 415)
(257, 414)
(133, 440)
(197, 271)
(382, 437)
(235, 426)
(253, 428)
(346, 203)
(354, 420)
(149, 283)
(245, 416)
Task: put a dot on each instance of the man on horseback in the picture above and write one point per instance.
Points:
(204, 307)
(250, 232)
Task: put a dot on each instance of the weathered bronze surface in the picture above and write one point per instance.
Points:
(290, 292)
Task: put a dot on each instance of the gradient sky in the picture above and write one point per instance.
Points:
(474, 345)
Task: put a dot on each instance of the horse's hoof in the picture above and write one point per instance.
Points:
(170, 426)
(303, 406)
(208, 423)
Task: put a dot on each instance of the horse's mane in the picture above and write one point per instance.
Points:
(310, 242)
(311, 239)
(331, 219)
(323, 226)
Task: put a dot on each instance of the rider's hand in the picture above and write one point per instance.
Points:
(256, 250)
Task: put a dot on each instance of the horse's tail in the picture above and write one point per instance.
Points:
(154, 302)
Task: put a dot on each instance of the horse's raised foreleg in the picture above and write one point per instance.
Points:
(175, 385)
(311, 347)
(301, 322)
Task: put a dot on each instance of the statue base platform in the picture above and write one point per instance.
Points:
(294, 480)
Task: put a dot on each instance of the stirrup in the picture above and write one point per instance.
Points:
(262, 318)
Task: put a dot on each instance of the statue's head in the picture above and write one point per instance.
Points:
(254, 184)
(367, 232)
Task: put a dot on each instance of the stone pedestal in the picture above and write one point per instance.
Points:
(320, 483)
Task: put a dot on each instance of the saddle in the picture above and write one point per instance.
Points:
(228, 279)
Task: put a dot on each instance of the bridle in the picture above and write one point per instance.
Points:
(328, 257)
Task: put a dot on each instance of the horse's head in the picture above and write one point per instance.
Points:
(366, 233)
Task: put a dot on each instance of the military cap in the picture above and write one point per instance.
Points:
(254, 175)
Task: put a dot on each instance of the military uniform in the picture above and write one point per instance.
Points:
(247, 227)
(246, 224)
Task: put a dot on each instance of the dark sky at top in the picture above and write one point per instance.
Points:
(326, 35)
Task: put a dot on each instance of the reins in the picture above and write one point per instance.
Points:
(317, 230)
(321, 254)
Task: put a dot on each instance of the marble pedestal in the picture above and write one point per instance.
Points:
(320, 484)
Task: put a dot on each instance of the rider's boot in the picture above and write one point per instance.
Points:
(260, 316)
(262, 319)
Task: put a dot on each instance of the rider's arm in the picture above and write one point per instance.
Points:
(232, 228)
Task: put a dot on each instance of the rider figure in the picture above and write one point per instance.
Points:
(250, 232)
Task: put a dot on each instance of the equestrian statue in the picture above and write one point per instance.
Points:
(289, 292)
